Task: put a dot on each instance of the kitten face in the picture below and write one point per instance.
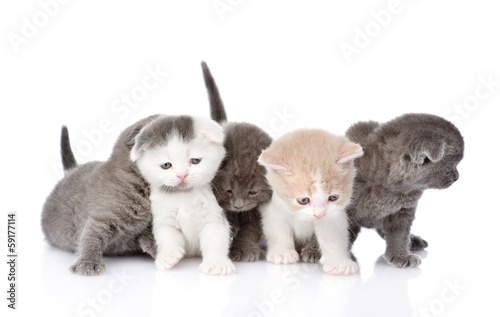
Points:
(439, 174)
(312, 171)
(240, 184)
(179, 153)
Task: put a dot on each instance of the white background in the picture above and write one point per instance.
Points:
(268, 58)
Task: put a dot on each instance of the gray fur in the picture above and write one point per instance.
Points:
(101, 208)
(157, 132)
(68, 159)
(240, 185)
(403, 157)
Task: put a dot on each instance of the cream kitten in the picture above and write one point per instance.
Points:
(179, 157)
(311, 173)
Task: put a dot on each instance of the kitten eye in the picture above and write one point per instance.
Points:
(447, 170)
(332, 198)
(166, 166)
(252, 193)
(195, 161)
(303, 201)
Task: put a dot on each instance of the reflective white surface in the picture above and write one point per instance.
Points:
(279, 65)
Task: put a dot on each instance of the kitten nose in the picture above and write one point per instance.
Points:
(455, 175)
(319, 213)
(238, 204)
(182, 176)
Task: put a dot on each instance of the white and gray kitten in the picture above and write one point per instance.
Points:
(178, 157)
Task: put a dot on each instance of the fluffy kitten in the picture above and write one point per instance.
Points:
(403, 157)
(179, 157)
(311, 173)
(240, 184)
(99, 208)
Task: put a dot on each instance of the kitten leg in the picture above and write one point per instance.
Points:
(169, 242)
(147, 242)
(397, 235)
(279, 234)
(214, 244)
(416, 242)
(333, 238)
(311, 252)
(91, 247)
(245, 246)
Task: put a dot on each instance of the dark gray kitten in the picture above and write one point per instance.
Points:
(100, 208)
(403, 157)
(240, 185)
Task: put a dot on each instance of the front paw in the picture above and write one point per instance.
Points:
(224, 267)
(283, 257)
(401, 261)
(310, 255)
(88, 268)
(167, 259)
(417, 243)
(250, 254)
(343, 267)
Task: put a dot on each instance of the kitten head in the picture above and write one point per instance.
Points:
(430, 148)
(240, 183)
(178, 153)
(312, 171)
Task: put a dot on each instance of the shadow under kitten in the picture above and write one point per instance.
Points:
(240, 185)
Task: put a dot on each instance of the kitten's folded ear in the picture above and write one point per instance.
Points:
(427, 146)
(131, 140)
(349, 153)
(211, 130)
(271, 162)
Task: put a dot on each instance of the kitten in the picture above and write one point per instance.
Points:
(240, 185)
(403, 157)
(179, 157)
(311, 173)
(99, 208)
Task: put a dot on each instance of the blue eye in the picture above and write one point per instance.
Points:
(447, 169)
(166, 166)
(195, 160)
(332, 198)
(303, 201)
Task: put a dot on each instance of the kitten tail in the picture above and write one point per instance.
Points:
(68, 159)
(217, 111)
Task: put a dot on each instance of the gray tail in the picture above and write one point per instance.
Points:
(217, 111)
(68, 159)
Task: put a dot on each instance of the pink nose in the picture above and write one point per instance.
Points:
(182, 177)
(318, 216)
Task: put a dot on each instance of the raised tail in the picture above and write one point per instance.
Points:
(217, 111)
(68, 159)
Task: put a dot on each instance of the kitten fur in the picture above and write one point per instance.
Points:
(316, 168)
(240, 185)
(179, 157)
(99, 208)
(403, 157)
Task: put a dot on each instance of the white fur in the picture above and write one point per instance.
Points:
(281, 226)
(188, 222)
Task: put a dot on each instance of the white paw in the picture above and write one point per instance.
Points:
(223, 267)
(284, 257)
(167, 259)
(346, 267)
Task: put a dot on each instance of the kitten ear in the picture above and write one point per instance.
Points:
(350, 152)
(427, 146)
(271, 162)
(211, 130)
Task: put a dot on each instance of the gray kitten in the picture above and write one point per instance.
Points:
(100, 208)
(403, 157)
(240, 185)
